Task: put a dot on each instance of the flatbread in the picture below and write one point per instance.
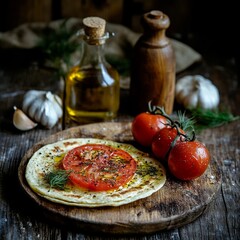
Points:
(149, 177)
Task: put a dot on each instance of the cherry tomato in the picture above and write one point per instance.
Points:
(145, 125)
(98, 167)
(188, 160)
(162, 141)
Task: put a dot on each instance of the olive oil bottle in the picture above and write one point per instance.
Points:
(92, 87)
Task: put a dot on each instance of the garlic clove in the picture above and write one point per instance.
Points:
(58, 106)
(49, 116)
(21, 121)
(191, 101)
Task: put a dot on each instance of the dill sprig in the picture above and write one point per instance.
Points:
(205, 118)
(57, 179)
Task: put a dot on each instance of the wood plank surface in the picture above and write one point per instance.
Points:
(20, 218)
(176, 204)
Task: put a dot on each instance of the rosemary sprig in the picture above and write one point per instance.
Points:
(211, 118)
(57, 179)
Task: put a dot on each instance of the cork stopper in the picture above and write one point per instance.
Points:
(94, 27)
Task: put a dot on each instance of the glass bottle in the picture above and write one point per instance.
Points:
(92, 87)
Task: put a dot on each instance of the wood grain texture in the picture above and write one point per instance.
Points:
(22, 218)
(176, 204)
(153, 67)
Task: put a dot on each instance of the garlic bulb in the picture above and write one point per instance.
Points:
(43, 107)
(196, 92)
(21, 121)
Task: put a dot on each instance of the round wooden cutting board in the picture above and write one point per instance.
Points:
(176, 204)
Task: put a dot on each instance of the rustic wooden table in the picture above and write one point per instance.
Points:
(21, 218)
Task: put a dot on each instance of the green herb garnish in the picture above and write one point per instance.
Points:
(186, 123)
(58, 48)
(57, 179)
(147, 170)
(122, 65)
(211, 118)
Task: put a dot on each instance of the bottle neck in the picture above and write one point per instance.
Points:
(93, 55)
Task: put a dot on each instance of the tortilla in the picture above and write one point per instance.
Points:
(148, 178)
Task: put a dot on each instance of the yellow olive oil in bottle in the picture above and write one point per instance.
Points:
(92, 87)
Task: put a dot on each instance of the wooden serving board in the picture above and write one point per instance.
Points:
(176, 204)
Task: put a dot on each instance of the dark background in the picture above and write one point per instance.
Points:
(210, 27)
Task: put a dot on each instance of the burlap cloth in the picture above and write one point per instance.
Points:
(29, 35)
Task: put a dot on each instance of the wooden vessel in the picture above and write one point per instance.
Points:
(176, 204)
(153, 66)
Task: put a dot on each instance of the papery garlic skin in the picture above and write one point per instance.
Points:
(196, 92)
(43, 106)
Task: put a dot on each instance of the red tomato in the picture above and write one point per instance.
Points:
(98, 167)
(145, 126)
(162, 141)
(188, 160)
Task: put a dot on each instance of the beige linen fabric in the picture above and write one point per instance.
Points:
(28, 36)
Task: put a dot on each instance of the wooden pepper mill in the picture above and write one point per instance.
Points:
(153, 66)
